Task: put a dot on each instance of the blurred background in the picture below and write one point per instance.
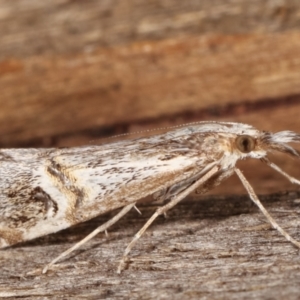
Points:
(75, 71)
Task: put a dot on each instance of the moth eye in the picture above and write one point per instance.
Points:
(245, 143)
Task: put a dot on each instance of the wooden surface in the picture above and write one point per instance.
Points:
(125, 84)
(68, 66)
(75, 71)
(218, 248)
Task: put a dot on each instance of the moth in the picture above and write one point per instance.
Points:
(46, 190)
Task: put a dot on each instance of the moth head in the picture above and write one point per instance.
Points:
(258, 146)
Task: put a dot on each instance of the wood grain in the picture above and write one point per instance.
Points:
(218, 248)
(142, 81)
(73, 71)
(68, 66)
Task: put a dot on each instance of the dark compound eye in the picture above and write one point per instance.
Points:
(245, 143)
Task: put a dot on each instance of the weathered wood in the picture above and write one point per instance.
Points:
(72, 69)
(128, 83)
(217, 248)
(33, 27)
(69, 66)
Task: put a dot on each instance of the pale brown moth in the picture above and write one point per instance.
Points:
(47, 190)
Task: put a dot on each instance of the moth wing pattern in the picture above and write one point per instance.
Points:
(47, 190)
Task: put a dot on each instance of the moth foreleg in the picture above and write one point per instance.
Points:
(163, 209)
(276, 168)
(99, 229)
(255, 199)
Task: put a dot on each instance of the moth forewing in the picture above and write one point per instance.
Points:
(46, 190)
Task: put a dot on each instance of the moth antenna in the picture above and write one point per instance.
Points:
(279, 170)
(255, 199)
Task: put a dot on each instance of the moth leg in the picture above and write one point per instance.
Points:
(255, 199)
(177, 188)
(163, 209)
(99, 229)
(137, 210)
(276, 168)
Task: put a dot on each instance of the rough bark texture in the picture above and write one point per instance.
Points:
(73, 71)
(217, 248)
